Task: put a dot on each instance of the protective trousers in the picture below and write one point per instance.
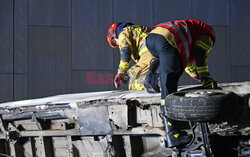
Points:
(137, 73)
(171, 66)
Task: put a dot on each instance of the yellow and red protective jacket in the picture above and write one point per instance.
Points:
(132, 45)
(186, 35)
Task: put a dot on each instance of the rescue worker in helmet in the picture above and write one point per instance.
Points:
(130, 39)
(179, 45)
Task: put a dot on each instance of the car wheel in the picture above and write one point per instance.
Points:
(201, 105)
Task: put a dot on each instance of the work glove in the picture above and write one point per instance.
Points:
(151, 83)
(208, 83)
(120, 79)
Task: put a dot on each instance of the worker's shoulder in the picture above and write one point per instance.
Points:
(133, 28)
(160, 30)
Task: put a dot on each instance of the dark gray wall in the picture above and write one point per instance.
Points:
(48, 47)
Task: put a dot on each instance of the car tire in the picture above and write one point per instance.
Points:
(202, 105)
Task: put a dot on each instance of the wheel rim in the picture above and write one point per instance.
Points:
(202, 93)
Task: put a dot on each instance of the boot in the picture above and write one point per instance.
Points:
(174, 137)
(177, 138)
(152, 78)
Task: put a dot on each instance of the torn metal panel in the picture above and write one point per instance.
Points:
(85, 99)
(82, 100)
(117, 116)
(94, 121)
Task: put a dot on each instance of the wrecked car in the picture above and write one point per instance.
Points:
(128, 123)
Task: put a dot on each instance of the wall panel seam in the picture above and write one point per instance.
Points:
(153, 12)
(71, 43)
(49, 26)
(13, 49)
(28, 69)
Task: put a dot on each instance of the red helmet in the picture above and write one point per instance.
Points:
(111, 35)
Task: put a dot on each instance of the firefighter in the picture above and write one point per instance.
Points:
(179, 45)
(130, 39)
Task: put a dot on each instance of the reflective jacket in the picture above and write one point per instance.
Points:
(132, 45)
(186, 33)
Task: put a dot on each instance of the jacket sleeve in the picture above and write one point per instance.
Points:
(203, 46)
(125, 47)
(191, 70)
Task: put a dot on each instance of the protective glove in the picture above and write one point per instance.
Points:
(151, 83)
(120, 79)
(208, 83)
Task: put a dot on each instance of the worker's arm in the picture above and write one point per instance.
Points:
(192, 71)
(125, 47)
(124, 62)
(202, 47)
(201, 62)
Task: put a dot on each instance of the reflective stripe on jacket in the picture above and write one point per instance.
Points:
(185, 33)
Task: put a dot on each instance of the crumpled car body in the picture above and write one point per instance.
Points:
(108, 123)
